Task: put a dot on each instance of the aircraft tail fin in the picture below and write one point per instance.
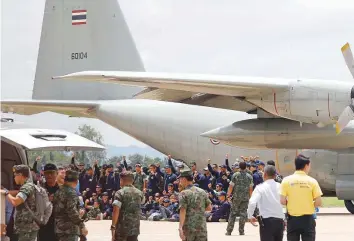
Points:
(80, 35)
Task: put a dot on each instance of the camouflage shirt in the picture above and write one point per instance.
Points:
(241, 182)
(139, 179)
(195, 201)
(93, 213)
(24, 221)
(128, 199)
(66, 211)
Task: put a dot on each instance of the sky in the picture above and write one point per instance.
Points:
(273, 38)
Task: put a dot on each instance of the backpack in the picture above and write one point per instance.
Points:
(44, 207)
(161, 184)
(278, 178)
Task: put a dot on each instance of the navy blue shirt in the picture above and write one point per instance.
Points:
(153, 183)
(169, 178)
(257, 178)
(223, 211)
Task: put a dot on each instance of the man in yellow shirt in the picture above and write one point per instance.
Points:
(301, 194)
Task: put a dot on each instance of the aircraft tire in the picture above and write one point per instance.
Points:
(349, 204)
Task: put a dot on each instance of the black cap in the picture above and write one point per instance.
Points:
(110, 166)
(223, 166)
(170, 184)
(222, 193)
(167, 166)
(105, 194)
(104, 166)
(50, 167)
(98, 186)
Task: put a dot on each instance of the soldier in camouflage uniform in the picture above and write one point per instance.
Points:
(140, 178)
(24, 224)
(193, 202)
(68, 222)
(126, 210)
(240, 188)
(94, 212)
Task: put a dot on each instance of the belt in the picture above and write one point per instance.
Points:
(302, 216)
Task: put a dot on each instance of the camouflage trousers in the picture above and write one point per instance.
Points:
(199, 237)
(67, 237)
(26, 236)
(126, 238)
(238, 208)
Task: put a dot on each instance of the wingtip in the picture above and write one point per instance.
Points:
(345, 47)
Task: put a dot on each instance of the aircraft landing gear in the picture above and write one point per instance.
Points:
(349, 204)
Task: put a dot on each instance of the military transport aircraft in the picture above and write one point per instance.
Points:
(191, 117)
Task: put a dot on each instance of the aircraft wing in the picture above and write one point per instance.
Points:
(30, 107)
(196, 83)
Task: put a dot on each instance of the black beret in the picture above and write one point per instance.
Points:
(186, 174)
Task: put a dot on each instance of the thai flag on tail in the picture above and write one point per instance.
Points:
(78, 17)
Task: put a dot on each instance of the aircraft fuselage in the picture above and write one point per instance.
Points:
(175, 129)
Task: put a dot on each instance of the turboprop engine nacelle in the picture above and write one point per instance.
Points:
(281, 133)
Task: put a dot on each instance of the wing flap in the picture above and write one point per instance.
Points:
(197, 83)
(164, 95)
(30, 107)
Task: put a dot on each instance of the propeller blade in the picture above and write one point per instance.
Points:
(348, 57)
(344, 118)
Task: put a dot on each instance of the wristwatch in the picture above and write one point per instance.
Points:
(113, 227)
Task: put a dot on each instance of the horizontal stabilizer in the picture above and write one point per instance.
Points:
(30, 107)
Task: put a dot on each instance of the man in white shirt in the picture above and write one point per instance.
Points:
(267, 198)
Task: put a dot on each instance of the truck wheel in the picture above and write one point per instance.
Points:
(349, 204)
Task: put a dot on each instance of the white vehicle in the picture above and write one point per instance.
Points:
(16, 142)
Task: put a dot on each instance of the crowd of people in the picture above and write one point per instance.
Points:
(97, 186)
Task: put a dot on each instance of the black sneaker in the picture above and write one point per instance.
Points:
(228, 234)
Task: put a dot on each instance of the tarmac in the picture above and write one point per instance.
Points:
(332, 224)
